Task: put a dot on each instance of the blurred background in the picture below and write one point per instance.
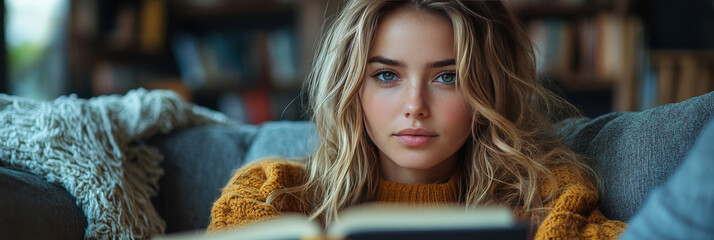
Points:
(248, 58)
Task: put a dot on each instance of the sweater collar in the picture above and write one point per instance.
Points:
(388, 191)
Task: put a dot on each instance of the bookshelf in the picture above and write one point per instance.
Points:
(632, 54)
(223, 54)
(245, 58)
(680, 75)
(591, 49)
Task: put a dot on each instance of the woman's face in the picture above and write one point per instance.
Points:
(412, 111)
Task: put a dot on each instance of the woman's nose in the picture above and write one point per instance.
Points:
(416, 103)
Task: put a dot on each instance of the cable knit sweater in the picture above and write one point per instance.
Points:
(574, 213)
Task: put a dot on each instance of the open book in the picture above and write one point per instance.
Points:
(378, 221)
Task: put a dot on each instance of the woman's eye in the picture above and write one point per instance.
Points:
(386, 76)
(446, 78)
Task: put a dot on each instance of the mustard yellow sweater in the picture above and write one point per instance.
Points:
(574, 214)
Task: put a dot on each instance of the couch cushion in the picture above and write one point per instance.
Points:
(286, 138)
(32, 208)
(637, 151)
(197, 164)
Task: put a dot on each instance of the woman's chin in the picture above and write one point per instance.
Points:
(416, 164)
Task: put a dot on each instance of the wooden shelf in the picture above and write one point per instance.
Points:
(583, 85)
(557, 10)
(231, 10)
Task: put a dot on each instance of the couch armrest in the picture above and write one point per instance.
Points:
(32, 208)
(635, 152)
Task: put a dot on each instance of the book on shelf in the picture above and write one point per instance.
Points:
(240, 60)
(283, 59)
(626, 91)
(686, 88)
(595, 51)
(383, 221)
(188, 59)
(152, 25)
(609, 51)
(681, 75)
(258, 105)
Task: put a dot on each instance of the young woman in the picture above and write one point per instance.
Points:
(426, 102)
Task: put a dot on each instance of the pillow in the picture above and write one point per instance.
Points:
(634, 152)
(198, 162)
(285, 138)
(32, 208)
(682, 207)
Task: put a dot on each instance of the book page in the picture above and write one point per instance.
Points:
(288, 226)
(391, 217)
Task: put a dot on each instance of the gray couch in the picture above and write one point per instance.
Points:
(634, 152)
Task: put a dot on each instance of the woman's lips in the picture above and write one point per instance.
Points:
(415, 140)
(415, 136)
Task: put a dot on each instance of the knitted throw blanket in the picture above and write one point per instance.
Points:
(90, 147)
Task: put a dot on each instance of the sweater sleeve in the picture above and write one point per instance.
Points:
(575, 213)
(243, 200)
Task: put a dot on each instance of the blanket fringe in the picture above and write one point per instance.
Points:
(90, 147)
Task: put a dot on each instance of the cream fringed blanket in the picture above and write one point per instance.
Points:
(90, 148)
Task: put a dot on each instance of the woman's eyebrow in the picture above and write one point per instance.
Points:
(386, 61)
(392, 62)
(443, 63)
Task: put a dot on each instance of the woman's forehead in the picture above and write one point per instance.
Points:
(413, 36)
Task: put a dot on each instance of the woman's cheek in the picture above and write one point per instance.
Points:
(377, 106)
(381, 106)
(457, 114)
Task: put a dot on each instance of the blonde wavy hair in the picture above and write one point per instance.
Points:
(512, 145)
